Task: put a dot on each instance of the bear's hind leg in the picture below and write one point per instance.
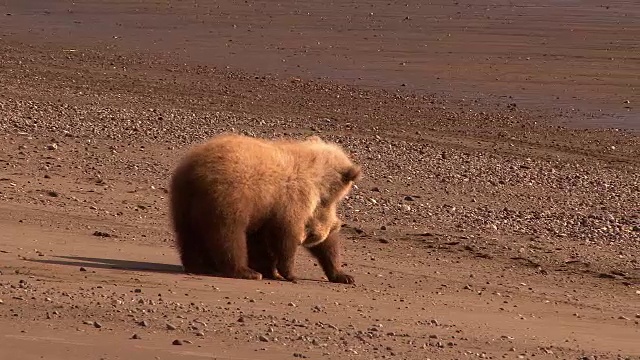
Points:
(191, 251)
(328, 255)
(228, 250)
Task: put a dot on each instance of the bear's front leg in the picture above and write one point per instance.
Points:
(261, 257)
(328, 255)
(284, 240)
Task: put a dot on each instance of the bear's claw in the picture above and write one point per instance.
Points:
(342, 278)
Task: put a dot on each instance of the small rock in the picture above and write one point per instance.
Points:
(97, 325)
(176, 342)
(383, 241)
(292, 304)
(170, 327)
(263, 338)
(187, 341)
(200, 333)
(240, 319)
(143, 323)
(83, 269)
(52, 193)
(622, 317)
(1, 302)
(102, 234)
(52, 146)
(135, 337)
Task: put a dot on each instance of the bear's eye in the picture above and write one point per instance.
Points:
(351, 174)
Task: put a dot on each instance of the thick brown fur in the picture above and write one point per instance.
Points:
(238, 201)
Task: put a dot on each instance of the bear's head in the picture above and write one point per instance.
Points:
(338, 172)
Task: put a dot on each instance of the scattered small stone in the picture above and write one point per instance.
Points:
(52, 193)
(622, 317)
(292, 304)
(83, 269)
(143, 323)
(384, 241)
(87, 322)
(187, 341)
(299, 355)
(200, 333)
(97, 325)
(136, 337)
(101, 234)
(263, 338)
(52, 146)
(170, 326)
(176, 342)
(137, 291)
(240, 319)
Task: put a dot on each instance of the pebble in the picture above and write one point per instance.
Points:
(176, 342)
(83, 269)
(136, 337)
(52, 146)
(200, 333)
(263, 338)
(97, 325)
(143, 323)
(170, 326)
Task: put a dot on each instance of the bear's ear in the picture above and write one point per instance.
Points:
(352, 173)
(313, 138)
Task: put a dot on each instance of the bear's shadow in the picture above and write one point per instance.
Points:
(118, 264)
(102, 263)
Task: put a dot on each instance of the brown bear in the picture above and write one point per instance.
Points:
(241, 206)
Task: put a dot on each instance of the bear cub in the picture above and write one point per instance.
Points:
(241, 206)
